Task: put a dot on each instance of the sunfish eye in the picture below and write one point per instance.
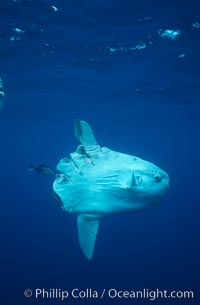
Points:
(157, 177)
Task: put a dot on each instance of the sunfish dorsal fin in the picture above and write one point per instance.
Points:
(84, 134)
(87, 231)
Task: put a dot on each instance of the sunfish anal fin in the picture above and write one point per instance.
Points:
(87, 231)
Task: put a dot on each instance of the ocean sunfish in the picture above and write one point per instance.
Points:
(97, 181)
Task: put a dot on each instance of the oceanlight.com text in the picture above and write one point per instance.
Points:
(112, 293)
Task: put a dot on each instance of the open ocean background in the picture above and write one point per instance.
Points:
(106, 62)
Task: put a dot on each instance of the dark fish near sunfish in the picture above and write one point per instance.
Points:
(42, 169)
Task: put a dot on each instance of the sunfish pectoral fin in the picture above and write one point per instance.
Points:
(87, 231)
(117, 179)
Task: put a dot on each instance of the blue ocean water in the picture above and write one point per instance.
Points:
(131, 69)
